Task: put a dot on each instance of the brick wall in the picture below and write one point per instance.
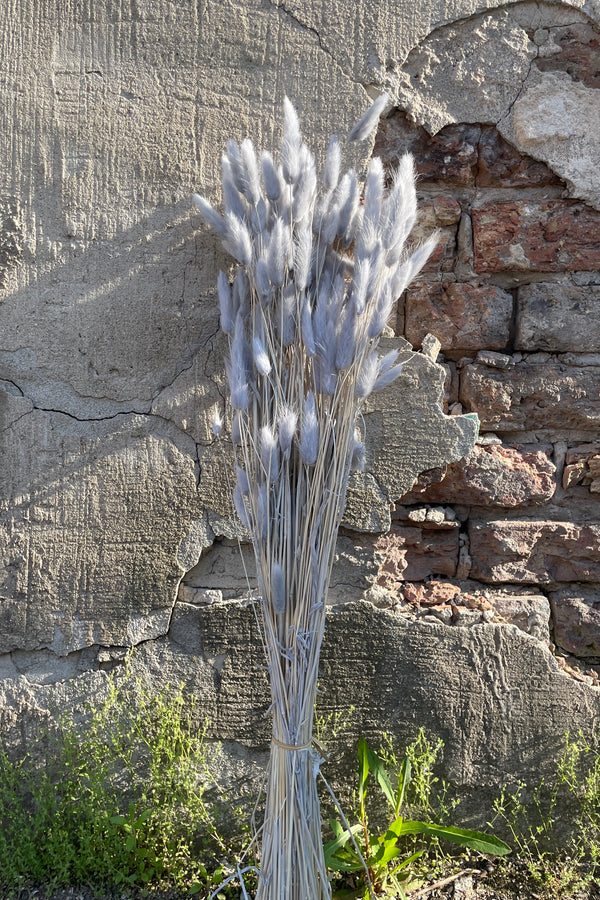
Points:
(512, 533)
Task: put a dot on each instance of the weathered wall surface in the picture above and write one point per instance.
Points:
(513, 299)
(115, 523)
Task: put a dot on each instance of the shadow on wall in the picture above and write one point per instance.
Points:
(98, 482)
(111, 325)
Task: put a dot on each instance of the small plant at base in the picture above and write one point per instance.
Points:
(561, 855)
(121, 801)
(372, 860)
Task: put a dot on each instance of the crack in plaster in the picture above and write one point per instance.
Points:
(305, 27)
(520, 90)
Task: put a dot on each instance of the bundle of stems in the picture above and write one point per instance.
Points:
(320, 269)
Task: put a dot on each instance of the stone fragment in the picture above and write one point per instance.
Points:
(462, 316)
(558, 318)
(582, 466)
(465, 563)
(431, 349)
(536, 236)
(450, 156)
(403, 430)
(412, 554)
(538, 552)
(466, 618)
(501, 165)
(528, 396)
(555, 119)
(432, 593)
(491, 475)
(528, 611)
(441, 216)
(576, 614)
(493, 359)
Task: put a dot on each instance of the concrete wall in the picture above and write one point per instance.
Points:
(115, 522)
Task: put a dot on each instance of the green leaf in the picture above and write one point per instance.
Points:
(388, 850)
(378, 769)
(118, 820)
(341, 865)
(337, 827)
(475, 840)
(144, 817)
(403, 782)
(409, 859)
(363, 774)
(331, 847)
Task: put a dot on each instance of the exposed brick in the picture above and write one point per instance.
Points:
(579, 56)
(576, 613)
(432, 593)
(501, 165)
(449, 156)
(412, 554)
(526, 396)
(461, 316)
(522, 235)
(527, 552)
(582, 466)
(558, 317)
(492, 475)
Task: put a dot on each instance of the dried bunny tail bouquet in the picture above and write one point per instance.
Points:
(320, 267)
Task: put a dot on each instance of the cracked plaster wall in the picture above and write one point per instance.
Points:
(111, 488)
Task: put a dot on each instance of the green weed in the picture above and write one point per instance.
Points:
(555, 827)
(120, 802)
(380, 863)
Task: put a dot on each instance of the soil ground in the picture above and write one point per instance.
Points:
(511, 883)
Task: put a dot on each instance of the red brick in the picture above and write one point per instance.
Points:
(528, 396)
(412, 554)
(554, 236)
(461, 316)
(449, 156)
(492, 475)
(501, 165)
(526, 552)
(579, 53)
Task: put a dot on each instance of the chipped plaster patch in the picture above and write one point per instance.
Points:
(557, 120)
(469, 72)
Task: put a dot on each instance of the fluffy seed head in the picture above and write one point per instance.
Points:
(368, 121)
(332, 165)
(269, 452)
(225, 303)
(209, 215)
(261, 357)
(309, 439)
(286, 429)
(367, 376)
(240, 506)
